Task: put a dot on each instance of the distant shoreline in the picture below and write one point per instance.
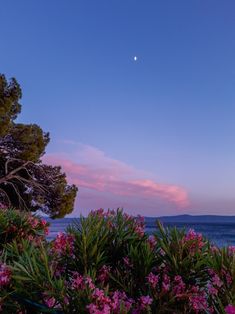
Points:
(183, 219)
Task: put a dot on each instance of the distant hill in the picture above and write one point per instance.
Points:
(195, 219)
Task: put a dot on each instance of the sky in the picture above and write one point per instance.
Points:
(154, 135)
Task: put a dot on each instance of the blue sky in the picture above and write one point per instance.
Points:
(161, 128)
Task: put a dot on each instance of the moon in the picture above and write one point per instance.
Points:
(135, 58)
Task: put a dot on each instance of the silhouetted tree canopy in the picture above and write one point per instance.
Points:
(25, 182)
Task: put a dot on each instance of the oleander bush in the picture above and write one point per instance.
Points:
(17, 225)
(106, 263)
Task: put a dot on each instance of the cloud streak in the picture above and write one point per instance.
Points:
(101, 177)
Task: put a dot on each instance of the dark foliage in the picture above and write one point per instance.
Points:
(25, 182)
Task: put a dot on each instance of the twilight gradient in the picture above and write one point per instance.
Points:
(158, 133)
(111, 183)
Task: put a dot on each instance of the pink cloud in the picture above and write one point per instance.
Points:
(106, 182)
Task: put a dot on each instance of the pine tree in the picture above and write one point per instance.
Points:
(25, 182)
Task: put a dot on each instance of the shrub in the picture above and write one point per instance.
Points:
(15, 225)
(106, 263)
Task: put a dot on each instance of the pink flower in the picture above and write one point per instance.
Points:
(145, 301)
(214, 249)
(230, 309)
(101, 303)
(63, 244)
(77, 281)
(152, 241)
(110, 225)
(231, 250)
(49, 301)
(212, 290)
(45, 226)
(95, 309)
(89, 283)
(43, 222)
(166, 283)
(140, 219)
(30, 237)
(5, 275)
(34, 222)
(211, 309)
(179, 285)
(99, 295)
(66, 300)
(46, 231)
(197, 300)
(127, 217)
(152, 280)
(139, 230)
(120, 301)
(110, 213)
(139, 226)
(162, 252)
(216, 281)
(229, 279)
(127, 262)
(198, 303)
(193, 240)
(103, 275)
(98, 212)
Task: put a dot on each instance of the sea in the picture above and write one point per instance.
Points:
(220, 234)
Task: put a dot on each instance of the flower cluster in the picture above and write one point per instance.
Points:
(107, 264)
(153, 280)
(194, 241)
(178, 286)
(231, 250)
(15, 225)
(5, 275)
(81, 282)
(41, 224)
(103, 274)
(139, 226)
(152, 241)
(63, 245)
(116, 303)
(198, 300)
(230, 309)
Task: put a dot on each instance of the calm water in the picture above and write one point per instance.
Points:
(220, 234)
